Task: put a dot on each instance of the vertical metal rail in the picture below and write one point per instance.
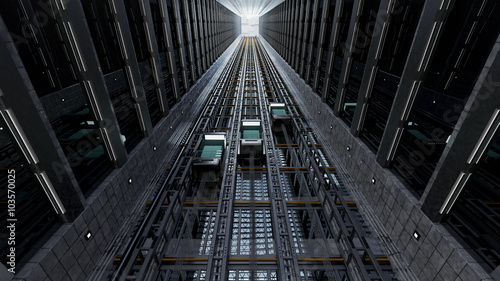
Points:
(277, 187)
(133, 248)
(345, 237)
(217, 261)
(287, 258)
(207, 118)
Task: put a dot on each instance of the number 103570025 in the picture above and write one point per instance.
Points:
(11, 194)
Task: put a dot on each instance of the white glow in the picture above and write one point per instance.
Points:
(90, 90)
(107, 143)
(454, 193)
(251, 123)
(250, 11)
(253, 7)
(493, 123)
(276, 104)
(215, 137)
(74, 46)
(394, 144)
(51, 193)
(141, 116)
(19, 136)
(250, 25)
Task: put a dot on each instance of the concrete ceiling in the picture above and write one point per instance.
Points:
(250, 7)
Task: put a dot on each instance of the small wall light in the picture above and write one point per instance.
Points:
(416, 235)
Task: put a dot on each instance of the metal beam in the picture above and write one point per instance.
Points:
(180, 41)
(371, 66)
(71, 18)
(155, 61)
(184, 7)
(289, 29)
(315, 28)
(427, 34)
(300, 37)
(169, 43)
(131, 66)
(331, 52)
(469, 141)
(22, 113)
(321, 42)
(195, 35)
(202, 33)
(347, 59)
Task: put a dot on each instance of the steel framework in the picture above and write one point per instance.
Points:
(282, 215)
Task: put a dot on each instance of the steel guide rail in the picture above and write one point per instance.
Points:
(329, 198)
(304, 145)
(216, 269)
(287, 262)
(133, 247)
(206, 119)
(277, 188)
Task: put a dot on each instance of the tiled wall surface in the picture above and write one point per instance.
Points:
(67, 255)
(437, 255)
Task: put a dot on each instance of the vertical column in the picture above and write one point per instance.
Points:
(131, 66)
(167, 33)
(211, 29)
(202, 33)
(22, 112)
(300, 28)
(71, 18)
(155, 62)
(187, 36)
(208, 30)
(294, 17)
(376, 47)
(426, 36)
(321, 42)
(196, 39)
(217, 28)
(282, 24)
(180, 41)
(306, 43)
(331, 51)
(347, 61)
(314, 29)
(288, 33)
(470, 139)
